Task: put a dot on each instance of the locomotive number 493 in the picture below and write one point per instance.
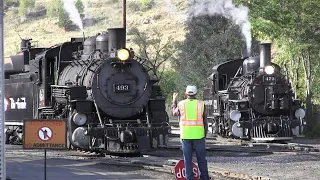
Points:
(121, 88)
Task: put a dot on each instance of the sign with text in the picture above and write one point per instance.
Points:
(180, 171)
(45, 134)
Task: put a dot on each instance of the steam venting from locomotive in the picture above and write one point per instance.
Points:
(239, 15)
(73, 12)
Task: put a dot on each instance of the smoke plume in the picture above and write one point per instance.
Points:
(239, 15)
(172, 9)
(73, 12)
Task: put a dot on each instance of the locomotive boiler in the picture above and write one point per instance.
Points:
(99, 86)
(253, 99)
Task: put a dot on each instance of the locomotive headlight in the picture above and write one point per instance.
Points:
(235, 115)
(80, 119)
(123, 54)
(269, 69)
(300, 113)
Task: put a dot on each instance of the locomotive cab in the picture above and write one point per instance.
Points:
(216, 94)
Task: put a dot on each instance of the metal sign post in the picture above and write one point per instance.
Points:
(2, 118)
(45, 164)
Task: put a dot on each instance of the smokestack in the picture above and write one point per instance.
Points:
(265, 55)
(117, 38)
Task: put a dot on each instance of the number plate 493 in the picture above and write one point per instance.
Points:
(118, 88)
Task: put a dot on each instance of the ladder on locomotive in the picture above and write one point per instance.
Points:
(237, 76)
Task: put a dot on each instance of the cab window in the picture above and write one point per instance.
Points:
(222, 82)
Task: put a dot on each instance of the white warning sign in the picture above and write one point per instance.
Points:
(45, 133)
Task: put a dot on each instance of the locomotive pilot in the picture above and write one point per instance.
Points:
(193, 130)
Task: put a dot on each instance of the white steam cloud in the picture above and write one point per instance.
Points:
(73, 12)
(172, 9)
(239, 15)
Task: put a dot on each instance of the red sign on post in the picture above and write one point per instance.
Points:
(180, 171)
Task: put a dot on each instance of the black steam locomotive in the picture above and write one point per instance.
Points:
(252, 99)
(100, 87)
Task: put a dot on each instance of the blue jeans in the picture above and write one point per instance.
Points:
(200, 147)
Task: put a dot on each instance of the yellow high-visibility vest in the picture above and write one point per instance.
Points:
(191, 119)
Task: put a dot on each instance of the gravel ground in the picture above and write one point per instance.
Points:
(28, 155)
(293, 166)
(279, 166)
(149, 173)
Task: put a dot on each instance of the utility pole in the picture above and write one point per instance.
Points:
(2, 118)
(124, 13)
(124, 19)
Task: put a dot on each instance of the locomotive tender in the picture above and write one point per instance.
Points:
(100, 87)
(252, 99)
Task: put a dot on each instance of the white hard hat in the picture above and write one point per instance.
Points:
(191, 90)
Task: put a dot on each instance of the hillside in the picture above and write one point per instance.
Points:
(99, 15)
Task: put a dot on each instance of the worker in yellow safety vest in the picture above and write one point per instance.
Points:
(193, 129)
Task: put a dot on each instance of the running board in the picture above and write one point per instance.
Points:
(13, 123)
(272, 139)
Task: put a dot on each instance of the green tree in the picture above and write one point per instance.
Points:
(24, 6)
(168, 83)
(14, 3)
(79, 5)
(53, 8)
(146, 4)
(63, 17)
(157, 51)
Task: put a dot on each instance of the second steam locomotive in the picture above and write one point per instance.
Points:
(100, 87)
(252, 99)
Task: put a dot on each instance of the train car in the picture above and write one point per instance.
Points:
(99, 86)
(253, 99)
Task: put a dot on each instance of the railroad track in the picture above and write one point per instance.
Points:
(238, 145)
(253, 147)
(244, 147)
(283, 147)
